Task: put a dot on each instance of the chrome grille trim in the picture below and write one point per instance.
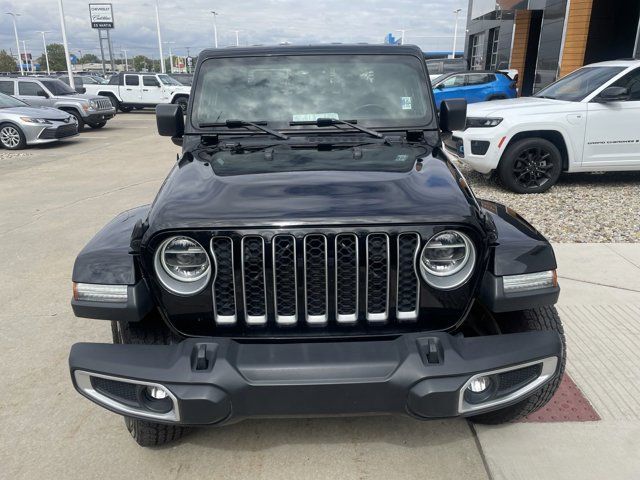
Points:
(315, 318)
(285, 319)
(408, 315)
(104, 104)
(223, 319)
(349, 317)
(254, 319)
(382, 316)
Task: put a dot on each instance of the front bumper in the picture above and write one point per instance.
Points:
(219, 380)
(99, 116)
(40, 134)
(480, 148)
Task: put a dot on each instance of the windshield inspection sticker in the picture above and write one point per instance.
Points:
(406, 103)
(312, 117)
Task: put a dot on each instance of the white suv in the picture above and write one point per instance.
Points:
(586, 121)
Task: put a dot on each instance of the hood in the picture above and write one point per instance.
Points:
(80, 97)
(521, 105)
(180, 88)
(194, 196)
(39, 112)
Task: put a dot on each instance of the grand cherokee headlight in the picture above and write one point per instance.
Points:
(447, 260)
(42, 121)
(473, 122)
(182, 265)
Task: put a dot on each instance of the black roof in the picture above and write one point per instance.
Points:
(328, 49)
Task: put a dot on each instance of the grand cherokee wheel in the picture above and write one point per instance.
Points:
(12, 137)
(531, 165)
(151, 331)
(544, 318)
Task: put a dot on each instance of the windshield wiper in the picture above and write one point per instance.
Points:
(244, 124)
(331, 122)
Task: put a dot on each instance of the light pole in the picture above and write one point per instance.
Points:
(455, 33)
(126, 60)
(15, 31)
(46, 54)
(215, 29)
(162, 69)
(170, 56)
(63, 25)
(237, 38)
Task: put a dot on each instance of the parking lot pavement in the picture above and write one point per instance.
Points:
(53, 201)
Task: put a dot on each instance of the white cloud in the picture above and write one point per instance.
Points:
(428, 23)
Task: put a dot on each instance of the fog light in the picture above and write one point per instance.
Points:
(157, 393)
(91, 292)
(479, 385)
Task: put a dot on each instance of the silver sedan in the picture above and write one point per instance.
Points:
(22, 125)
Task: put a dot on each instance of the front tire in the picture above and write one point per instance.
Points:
(531, 165)
(543, 318)
(78, 118)
(97, 125)
(150, 331)
(11, 137)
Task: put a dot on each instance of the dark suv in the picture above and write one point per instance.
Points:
(313, 252)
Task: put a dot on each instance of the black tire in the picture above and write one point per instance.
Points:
(151, 331)
(544, 318)
(531, 165)
(124, 108)
(12, 137)
(78, 117)
(113, 99)
(183, 102)
(97, 125)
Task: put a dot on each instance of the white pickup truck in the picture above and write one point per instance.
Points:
(129, 90)
(587, 121)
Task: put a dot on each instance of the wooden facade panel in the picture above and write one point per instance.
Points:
(575, 43)
(520, 40)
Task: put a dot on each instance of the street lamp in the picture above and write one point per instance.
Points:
(15, 31)
(63, 25)
(126, 60)
(455, 33)
(26, 58)
(237, 37)
(170, 55)
(46, 54)
(162, 69)
(215, 29)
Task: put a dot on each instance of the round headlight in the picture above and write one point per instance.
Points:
(182, 265)
(447, 260)
(184, 259)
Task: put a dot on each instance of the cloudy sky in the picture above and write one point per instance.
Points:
(428, 23)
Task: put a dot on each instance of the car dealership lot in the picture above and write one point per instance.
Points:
(55, 198)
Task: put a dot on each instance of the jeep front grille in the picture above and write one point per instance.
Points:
(104, 104)
(315, 279)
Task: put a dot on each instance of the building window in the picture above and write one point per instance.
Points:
(492, 52)
(477, 51)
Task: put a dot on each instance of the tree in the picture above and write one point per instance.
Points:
(57, 59)
(89, 58)
(7, 62)
(142, 63)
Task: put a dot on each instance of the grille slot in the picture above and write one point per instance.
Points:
(316, 279)
(377, 277)
(285, 279)
(408, 286)
(224, 288)
(254, 280)
(347, 277)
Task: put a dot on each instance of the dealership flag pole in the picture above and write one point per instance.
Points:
(162, 69)
(455, 33)
(46, 54)
(72, 84)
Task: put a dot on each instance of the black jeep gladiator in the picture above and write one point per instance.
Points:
(313, 252)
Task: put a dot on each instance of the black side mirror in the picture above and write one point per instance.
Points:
(440, 86)
(453, 114)
(613, 94)
(170, 120)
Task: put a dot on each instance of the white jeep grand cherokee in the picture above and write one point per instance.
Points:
(586, 121)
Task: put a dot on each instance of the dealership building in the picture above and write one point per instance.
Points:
(547, 39)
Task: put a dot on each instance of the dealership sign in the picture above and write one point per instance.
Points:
(101, 15)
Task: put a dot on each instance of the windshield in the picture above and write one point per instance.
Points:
(578, 85)
(9, 102)
(167, 80)
(375, 90)
(58, 87)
